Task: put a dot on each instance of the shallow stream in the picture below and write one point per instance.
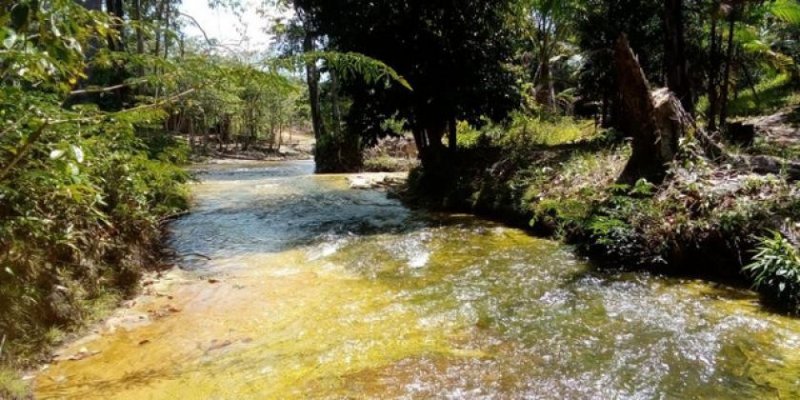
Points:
(314, 290)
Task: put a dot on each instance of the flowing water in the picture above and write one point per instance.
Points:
(317, 291)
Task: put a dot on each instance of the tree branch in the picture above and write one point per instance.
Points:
(200, 27)
(25, 148)
(106, 89)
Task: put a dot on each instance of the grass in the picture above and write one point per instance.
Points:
(12, 387)
(771, 95)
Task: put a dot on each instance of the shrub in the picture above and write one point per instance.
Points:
(775, 271)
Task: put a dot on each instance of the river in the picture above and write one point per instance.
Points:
(314, 290)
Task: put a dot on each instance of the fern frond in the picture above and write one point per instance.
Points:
(787, 11)
(348, 65)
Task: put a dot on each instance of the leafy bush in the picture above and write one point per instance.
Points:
(776, 270)
(79, 218)
(83, 188)
(522, 132)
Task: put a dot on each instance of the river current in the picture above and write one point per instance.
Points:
(292, 285)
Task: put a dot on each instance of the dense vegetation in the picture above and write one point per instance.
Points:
(87, 173)
(519, 109)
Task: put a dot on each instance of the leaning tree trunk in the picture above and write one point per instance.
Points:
(655, 121)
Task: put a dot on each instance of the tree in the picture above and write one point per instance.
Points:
(546, 26)
(676, 63)
(656, 119)
(602, 23)
(452, 53)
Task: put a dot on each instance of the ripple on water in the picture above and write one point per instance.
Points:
(324, 292)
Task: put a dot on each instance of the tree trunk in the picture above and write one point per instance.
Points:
(205, 134)
(545, 92)
(137, 15)
(280, 137)
(115, 8)
(337, 112)
(312, 80)
(655, 121)
(452, 138)
(159, 18)
(723, 113)
(713, 72)
(192, 143)
(677, 68)
(168, 11)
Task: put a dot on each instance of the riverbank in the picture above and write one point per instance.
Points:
(705, 220)
(79, 229)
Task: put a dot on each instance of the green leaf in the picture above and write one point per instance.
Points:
(56, 154)
(10, 40)
(787, 11)
(78, 153)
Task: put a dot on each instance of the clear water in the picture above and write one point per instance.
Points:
(317, 291)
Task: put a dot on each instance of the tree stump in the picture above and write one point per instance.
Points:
(655, 120)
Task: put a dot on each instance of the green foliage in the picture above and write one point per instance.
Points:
(775, 270)
(453, 56)
(538, 131)
(786, 10)
(524, 132)
(11, 387)
(469, 137)
(355, 66)
(768, 96)
(44, 42)
(83, 190)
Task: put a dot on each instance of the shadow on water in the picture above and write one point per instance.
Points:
(261, 217)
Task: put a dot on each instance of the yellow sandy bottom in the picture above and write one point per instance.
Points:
(316, 291)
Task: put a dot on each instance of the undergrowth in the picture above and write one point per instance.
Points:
(701, 221)
(775, 270)
(80, 220)
(766, 97)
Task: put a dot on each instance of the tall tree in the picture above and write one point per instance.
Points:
(452, 53)
(676, 64)
(312, 71)
(546, 25)
(733, 11)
